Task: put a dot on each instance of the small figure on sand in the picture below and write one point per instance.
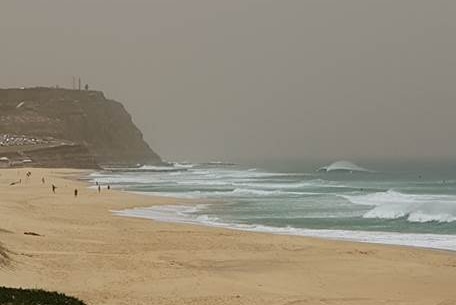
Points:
(53, 188)
(109, 187)
(75, 193)
(16, 182)
(99, 189)
(42, 180)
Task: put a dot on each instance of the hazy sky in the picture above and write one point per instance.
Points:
(233, 79)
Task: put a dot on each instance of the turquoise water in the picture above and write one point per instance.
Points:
(345, 203)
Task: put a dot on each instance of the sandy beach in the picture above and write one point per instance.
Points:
(80, 248)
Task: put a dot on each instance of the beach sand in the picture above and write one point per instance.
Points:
(85, 251)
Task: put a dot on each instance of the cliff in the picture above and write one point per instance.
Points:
(82, 125)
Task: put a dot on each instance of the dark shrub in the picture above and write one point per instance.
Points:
(13, 296)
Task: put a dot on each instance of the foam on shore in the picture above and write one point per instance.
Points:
(186, 214)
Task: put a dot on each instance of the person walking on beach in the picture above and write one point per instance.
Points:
(53, 188)
(42, 180)
(75, 193)
(109, 187)
(99, 189)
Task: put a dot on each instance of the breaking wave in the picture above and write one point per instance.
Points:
(188, 214)
(343, 166)
(413, 207)
(353, 206)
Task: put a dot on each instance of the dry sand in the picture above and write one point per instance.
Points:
(87, 252)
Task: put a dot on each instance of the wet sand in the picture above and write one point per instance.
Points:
(78, 247)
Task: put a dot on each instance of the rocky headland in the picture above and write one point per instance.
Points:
(52, 127)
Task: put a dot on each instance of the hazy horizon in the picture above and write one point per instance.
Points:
(253, 80)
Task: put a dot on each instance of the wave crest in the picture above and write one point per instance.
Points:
(415, 208)
(193, 215)
(342, 166)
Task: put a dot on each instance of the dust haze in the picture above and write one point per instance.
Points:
(244, 79)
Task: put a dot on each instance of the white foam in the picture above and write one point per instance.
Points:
(186, 214)
(343, 166)
(291, 185)
(415, 207)
(256, 193)
(181, 195)
(183, 165)
(225, 194)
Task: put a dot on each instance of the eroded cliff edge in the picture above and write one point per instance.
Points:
(74, 128)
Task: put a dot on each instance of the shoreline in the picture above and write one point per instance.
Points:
(324, 234)
(337, 208)
(185, 214)
(86, 251)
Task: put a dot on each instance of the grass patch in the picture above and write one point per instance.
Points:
(18, 296)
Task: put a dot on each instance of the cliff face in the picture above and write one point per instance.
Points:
(74, 118)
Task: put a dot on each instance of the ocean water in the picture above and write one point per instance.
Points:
(342, 201)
